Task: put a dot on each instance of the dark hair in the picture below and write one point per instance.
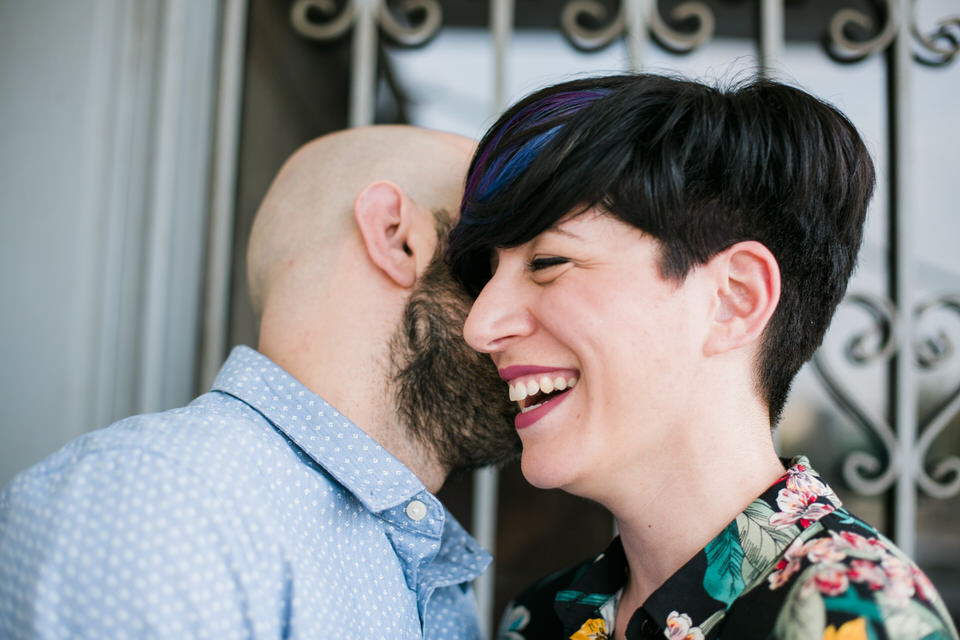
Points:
(699, 168)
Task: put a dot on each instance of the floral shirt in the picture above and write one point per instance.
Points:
(794, 565)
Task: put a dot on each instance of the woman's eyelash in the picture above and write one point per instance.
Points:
(536, 264)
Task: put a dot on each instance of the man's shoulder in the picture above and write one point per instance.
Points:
(157, 516)
(191, 437)
(216, 449)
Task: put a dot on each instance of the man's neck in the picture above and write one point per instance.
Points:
(421, 460)
(370, 407)
(344, 357)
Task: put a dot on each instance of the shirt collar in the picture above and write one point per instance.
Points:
(343, 450)
(747, 549)
(592, 586)
(737, 559)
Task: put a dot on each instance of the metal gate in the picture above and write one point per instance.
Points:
(904, 336)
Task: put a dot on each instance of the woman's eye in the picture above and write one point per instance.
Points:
(539, 264)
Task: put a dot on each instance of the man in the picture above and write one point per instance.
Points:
(654, 259)
(295, 499)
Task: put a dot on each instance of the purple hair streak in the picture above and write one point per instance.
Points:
(497, 165)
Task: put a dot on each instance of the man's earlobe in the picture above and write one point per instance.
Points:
(383, 211)
(748, 292)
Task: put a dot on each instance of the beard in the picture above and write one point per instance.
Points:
(448, 396)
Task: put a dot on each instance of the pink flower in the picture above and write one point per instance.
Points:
(788, 565)
(857, 542)
(899, 592)
(872, 564)
(924, 587)
(680, 627)
(900, 587)
(895, 568)
(831, 579)
(798, 506)
(824, 550)
(868, 572)
(782, 575)
(804, 480)
(898, 579)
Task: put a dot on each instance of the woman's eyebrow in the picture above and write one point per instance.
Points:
(558, 228)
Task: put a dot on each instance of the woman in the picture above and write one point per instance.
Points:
(653, 261)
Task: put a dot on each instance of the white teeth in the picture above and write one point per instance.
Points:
(531, 407)
(522, 390)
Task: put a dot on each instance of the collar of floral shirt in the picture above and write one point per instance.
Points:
(735, 561)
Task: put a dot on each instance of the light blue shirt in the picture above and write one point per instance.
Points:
(257, 511)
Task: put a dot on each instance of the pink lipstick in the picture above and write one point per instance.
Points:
(515, 371)
(524, 420)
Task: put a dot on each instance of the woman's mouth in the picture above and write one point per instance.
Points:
(538, 390)
(533, 392)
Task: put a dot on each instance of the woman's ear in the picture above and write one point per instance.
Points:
(747, 294)
(383, 213)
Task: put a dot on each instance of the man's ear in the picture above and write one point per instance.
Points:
(747, 294)
(383, 213)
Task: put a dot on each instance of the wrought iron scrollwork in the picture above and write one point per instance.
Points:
(940, 46)
(845, 49)
(683, 41)
(864, 472)
(579, 17)
(408, 22)
(420, 21)
(933, 351)
(322, 19)
(936, 47)
(576, 12)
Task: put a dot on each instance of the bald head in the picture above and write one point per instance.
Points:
(309, 207)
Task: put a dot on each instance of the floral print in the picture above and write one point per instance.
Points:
(680, 627)
(592, 629)
(800, 500)
(853, 630)
(871, 563)
(788, 565)
(794, 565)
(514, 622)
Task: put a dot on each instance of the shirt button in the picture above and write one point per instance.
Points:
(416, 510)
(649, 629)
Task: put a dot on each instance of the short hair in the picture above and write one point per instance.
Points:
(699, 168)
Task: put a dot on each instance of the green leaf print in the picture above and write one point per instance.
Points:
(715, 618)
(762, 543)
(911, 621)
(723, 579)
(845, 517)
(851, 602)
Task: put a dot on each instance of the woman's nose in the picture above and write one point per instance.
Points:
(498, 317)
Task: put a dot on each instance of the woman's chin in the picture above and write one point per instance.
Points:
(542, 472)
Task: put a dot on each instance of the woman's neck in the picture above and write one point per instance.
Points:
(670, 509)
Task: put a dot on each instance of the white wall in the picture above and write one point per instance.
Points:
(105, 124)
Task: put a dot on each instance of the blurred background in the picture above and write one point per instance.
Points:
(137, 138)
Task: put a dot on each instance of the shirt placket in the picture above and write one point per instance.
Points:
(415, 528)
(643, 627)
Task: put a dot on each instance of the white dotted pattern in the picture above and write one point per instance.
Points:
(258, 511)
